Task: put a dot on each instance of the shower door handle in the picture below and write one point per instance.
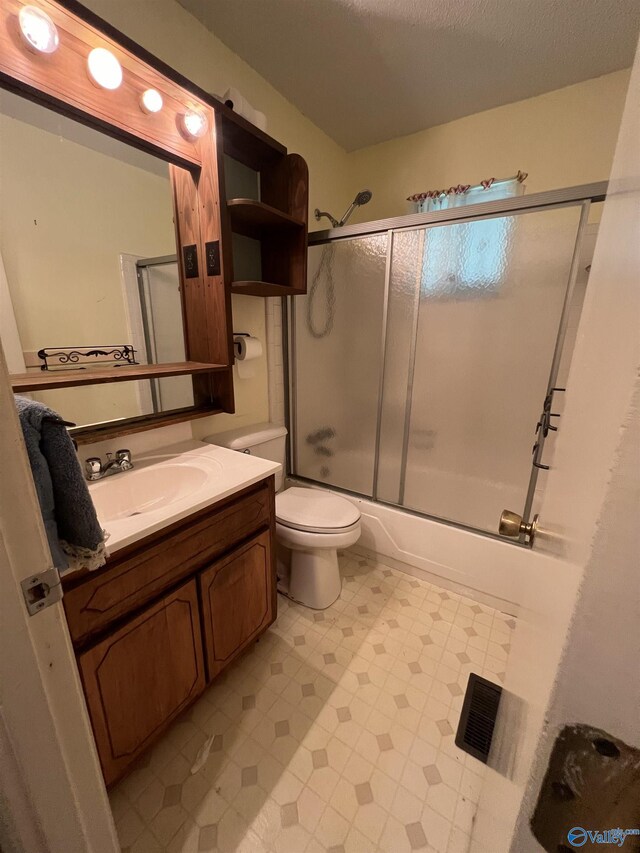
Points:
(512, 526)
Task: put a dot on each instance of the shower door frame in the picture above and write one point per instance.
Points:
(582, 195)
(142, 273)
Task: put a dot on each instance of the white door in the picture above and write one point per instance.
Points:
(52, 797)
(600, 388)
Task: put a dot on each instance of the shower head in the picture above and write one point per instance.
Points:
(363, 197)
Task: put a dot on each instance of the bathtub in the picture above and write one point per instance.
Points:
(483, 568)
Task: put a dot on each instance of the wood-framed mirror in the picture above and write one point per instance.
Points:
(114, 306)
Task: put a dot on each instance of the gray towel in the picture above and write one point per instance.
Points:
(75, 537)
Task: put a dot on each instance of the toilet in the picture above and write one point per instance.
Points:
(311, 524)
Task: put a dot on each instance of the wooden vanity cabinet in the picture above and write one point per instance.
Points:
(138, 679)
(168, 614)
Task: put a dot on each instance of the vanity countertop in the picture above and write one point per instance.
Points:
(169, 484)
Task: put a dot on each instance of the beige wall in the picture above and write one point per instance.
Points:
(164, 28)
(251, 395)
(562, 138)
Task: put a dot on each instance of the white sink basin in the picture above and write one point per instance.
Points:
(170, 484)
(146, 490)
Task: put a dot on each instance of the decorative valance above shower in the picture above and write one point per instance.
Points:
(486, 190)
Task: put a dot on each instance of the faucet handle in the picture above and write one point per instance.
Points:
(93, 466)
(124, 458)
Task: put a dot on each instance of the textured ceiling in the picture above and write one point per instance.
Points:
(369, 70)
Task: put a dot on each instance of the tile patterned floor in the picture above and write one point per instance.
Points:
(334, 734)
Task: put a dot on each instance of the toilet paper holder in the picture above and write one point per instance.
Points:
(236, 342)
(247, 351)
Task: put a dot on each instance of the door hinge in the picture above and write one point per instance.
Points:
(41, 590)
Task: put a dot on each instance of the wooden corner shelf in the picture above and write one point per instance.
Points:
(45, 379)
(254, 218)
(278, 222)
(245, 142)
(264, 288)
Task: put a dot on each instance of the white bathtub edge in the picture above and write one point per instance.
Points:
(473, 565)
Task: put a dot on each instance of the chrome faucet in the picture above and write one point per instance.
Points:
(95, 469)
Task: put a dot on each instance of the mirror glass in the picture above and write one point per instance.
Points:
(87, 263)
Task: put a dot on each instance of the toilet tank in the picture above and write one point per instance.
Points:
(268, 441)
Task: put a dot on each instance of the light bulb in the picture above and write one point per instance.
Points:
(151, 101)
(104, 69)
(38, 30)
(194, 124)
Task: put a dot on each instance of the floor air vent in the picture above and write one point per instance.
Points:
(478, 717)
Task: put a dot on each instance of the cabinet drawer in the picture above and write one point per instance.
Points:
(142, 676)
(238, 601)
(134, 578)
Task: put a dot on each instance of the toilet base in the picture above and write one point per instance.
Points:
(312, 557)
(314, 579)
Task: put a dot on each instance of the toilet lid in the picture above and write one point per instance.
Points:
(312, 509)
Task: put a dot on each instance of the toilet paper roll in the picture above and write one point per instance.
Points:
(235, 100)
(259, 119)
(247, 350)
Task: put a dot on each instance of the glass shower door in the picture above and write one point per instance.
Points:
(473, 318)
(161, 306)
(337, 339)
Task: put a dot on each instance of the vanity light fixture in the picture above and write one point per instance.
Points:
(151, 101)
(39, 32)
(193, 124)
(104, 69)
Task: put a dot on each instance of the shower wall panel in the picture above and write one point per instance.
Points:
(491, 298)
(402, 316)
(421, 359)
(338, 329)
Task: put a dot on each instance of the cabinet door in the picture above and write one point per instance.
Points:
(139, 678)
(238, 600)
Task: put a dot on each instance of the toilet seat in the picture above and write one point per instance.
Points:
(320, 531)
(315, 511)
(325, 541)
(311, 525)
